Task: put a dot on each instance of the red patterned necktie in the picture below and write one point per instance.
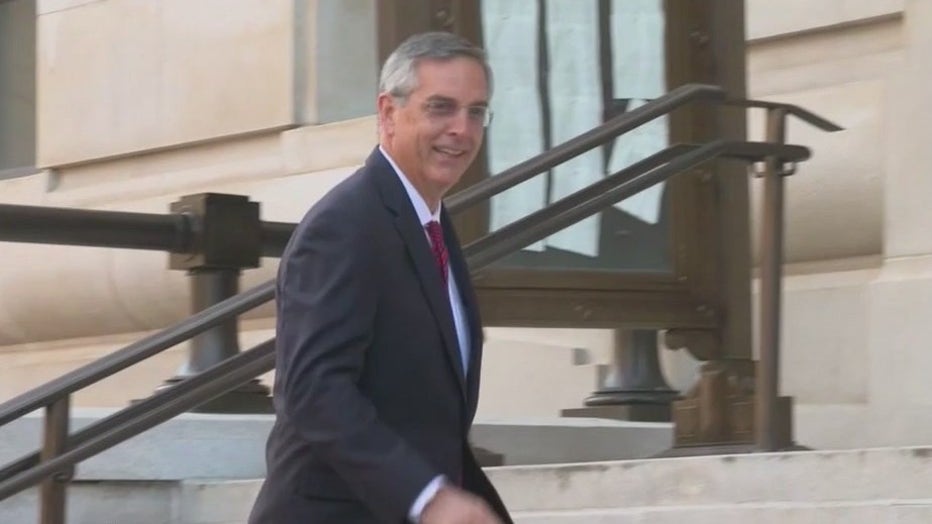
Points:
(439, 249)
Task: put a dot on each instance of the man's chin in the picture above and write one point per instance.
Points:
(446, 179)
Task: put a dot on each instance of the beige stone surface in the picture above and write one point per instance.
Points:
(169, 73)
(100, 291)
(829, 58)
(768, 19)
(856, 303)
(252, 161)
(318, 148)
(900, 331)
(158, 74)
(531, 379)
(835, 201)
(51, 6)
(26, 366)
(908, 184)
(824, 338)
(118, 183)
(854, 426)
(24, 190)
(598, 343)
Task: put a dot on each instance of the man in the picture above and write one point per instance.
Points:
(379, 341)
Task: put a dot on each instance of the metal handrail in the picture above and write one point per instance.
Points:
(615, 188)
(135, 352)
(580, 144)
(275, 236)
(171, 233)
(139, 417)
(791, 109)
(87, 227)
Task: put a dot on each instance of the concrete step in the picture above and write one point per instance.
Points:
(809, 477)
(873, 512)
(870, 486)
(102, 502)
(229, 502)
(138, 502)
(222, 502)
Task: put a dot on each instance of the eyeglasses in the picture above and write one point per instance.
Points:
(442, 109)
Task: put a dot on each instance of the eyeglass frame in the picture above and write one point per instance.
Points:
(432, 109)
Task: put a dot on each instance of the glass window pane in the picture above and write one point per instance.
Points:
(562, 68)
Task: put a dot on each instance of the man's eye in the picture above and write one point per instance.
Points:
(477, 112)
(441, 108)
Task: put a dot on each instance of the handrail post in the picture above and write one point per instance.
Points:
(52, 493)
(773, 414)
(631, 386)
(227, 238)
(211, 286)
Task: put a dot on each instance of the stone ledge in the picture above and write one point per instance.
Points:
(768, 19)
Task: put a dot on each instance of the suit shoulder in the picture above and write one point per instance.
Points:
(347, 209)
(350, 197)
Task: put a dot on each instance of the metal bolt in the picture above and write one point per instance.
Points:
(705, 310)
(583, 311)
(699, 38)
(444, 17)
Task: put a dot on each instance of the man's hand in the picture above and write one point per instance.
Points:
(454, 506)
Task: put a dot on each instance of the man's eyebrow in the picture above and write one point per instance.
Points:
(442, 98)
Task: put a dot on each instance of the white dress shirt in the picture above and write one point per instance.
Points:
(456, 306)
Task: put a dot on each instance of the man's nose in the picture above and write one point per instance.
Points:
(460, 123)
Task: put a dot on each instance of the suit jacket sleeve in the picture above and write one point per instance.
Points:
(327, 302)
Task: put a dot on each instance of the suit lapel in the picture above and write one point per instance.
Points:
(470, 306)
(416, 243)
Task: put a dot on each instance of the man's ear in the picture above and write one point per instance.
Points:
(387, 112)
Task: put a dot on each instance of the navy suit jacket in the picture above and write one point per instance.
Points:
(370, 395)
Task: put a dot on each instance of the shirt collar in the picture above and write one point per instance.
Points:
(420, 206)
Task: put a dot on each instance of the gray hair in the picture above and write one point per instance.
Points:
(399, 73)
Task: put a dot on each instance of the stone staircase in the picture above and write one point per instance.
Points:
(890, 485)
(202, 469)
